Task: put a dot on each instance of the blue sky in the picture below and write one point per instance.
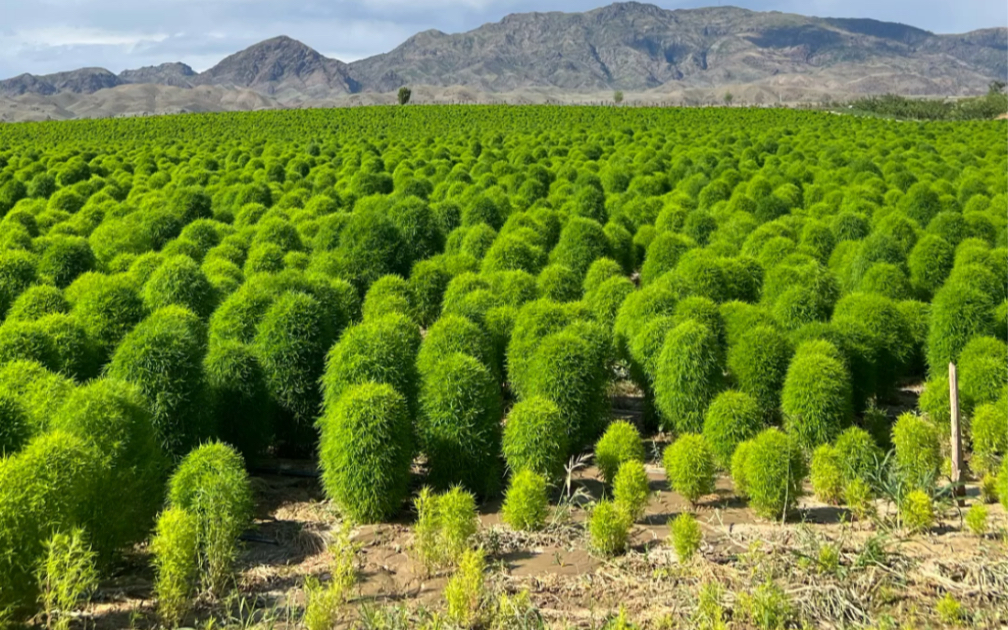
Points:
(41, 36)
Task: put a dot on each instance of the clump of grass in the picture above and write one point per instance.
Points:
(631, 490)
(686, 536)
(609, 528)
(324, 602)
(976, 519)
(950, 611)
(620, 622)
(516, 612)
(66, 577)
(526, 503)
(768, 607)
(709, 614)
(464, 592)
(445, 526)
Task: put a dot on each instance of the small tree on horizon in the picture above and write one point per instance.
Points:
(618, 96)
(728, 98)
(404, 95)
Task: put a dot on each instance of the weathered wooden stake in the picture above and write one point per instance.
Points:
(958, 489)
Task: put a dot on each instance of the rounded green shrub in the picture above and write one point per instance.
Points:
(859, 454)
(175, 547)
(982, 374)
(36, 302)
(732, 418)
(179, 281)
(689, 376)
(14, 428)
(773, 470)
(663, 255)
(37, 390)
(17, 273)
(620, 443)
(427, 283)
(27, 341)
(291, 342)
(211, 483)
(46, 488)
(759, 363)
(686, 536)
(108, 307)
(607, 299)
(989, 434)
(513, 252)
(582, 241)
(918, 451)
(451, 334)
(525, 502)
(458, 424)
(383, 350)
(958, 313)
(609, 528)
(113, 416)
(601, 271)
(77, 356)
(632, 488)
(559, 284)
(571, 369)
(826, 474)
(738, 468)
(930, 263)
(64, 259)
(388, 294)
(163, 358)
(366, 450)
(917, 511)
(535, 438)
(239, 397)
(536, 321)
(1002, 483)
(816, 400)
(690, 467)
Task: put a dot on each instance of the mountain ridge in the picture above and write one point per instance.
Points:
(629, 46)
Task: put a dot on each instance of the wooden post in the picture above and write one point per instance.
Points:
(958, 489)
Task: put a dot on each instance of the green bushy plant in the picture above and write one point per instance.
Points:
(366, 451)
(686, 536)
(211, 484)
(609, 528)
(620, 443)
(66, 577)
(582, 241)
(632, 489)
(464, 592)
(47, 487)
(114, 418)
(1002, 483)
(989, 434)
(458, 425)
(163, 358)
(36, 302)
(179, 281)
(291, 343)
(535, 438)
(389, 294)
(982, 378)
(451, 334)
(859, 454)
(525, 503)
(14, 428)
(826, 474)
(689, 376)
(382, 350)
(918, 451)
(446, 525)
(738, 468)
(773, 469)
(759, 363)
(26, 341)
(958, 313)
(976, 519)
(917, 511)
(107, 306)
(732, 418)
(689, 466)
(239, 400)
(816, 400)
(175, 547)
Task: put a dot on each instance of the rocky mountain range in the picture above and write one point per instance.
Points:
(648, 52)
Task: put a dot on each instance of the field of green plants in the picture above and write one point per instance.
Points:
(449, 298)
